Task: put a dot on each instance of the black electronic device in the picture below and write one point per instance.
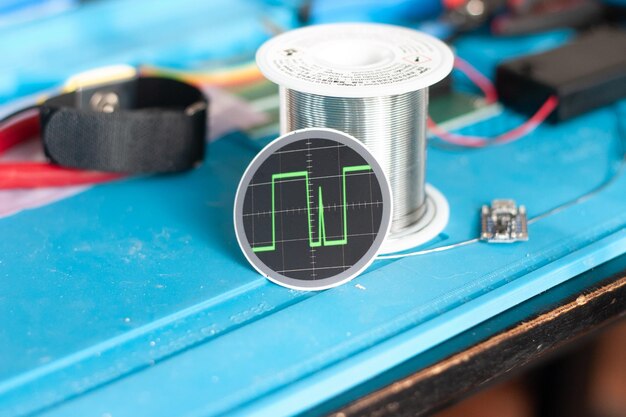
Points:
(583, 75)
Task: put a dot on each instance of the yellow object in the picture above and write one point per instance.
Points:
(99, 76)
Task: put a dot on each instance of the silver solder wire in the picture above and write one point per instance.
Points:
(392, 127)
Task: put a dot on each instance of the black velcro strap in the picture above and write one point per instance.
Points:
(159, 125)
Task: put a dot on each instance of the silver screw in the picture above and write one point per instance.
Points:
(105, 102)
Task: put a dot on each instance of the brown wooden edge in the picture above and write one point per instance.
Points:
(430, 389)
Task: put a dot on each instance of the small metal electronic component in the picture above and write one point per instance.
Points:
(504, 222)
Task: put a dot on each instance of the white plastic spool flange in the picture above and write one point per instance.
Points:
(363, 60)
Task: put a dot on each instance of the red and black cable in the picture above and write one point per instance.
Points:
(23, 125)
(491, 96)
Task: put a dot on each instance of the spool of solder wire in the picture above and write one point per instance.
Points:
(370, 81)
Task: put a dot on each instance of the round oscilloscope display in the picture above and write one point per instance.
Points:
(312, 209)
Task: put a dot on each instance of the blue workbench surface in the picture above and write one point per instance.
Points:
(134, 299)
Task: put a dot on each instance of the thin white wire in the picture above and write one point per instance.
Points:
(431, 250)
(584, 197)
(607, 183)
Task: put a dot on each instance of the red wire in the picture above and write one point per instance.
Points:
(23, 127)
(491, 96)
(42, 174)
(475, 76)
(480, 142)
(38, 174)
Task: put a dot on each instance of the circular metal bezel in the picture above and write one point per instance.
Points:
(364, 261)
